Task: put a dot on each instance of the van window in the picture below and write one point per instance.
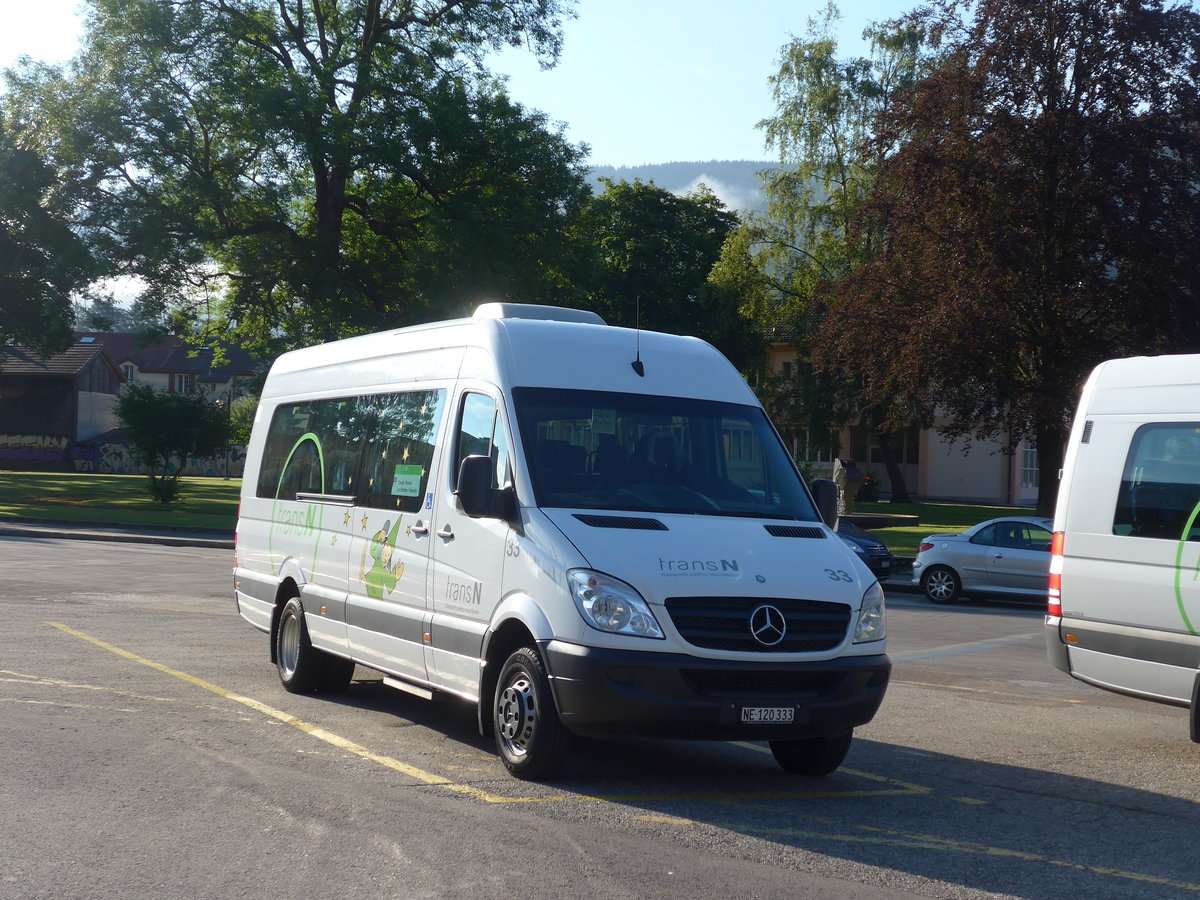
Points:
(481, 433)
(1160, 486)
(604, 450)
(312, 447)
(400, 453)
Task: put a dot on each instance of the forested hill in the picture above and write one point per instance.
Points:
(735, 182)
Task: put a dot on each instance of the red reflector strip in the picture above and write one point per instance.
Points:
(1054, 588)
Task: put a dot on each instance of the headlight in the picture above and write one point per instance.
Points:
(871, 624)
(609, 604)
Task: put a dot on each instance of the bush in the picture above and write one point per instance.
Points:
(163, 426)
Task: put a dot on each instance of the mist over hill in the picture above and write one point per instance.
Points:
(735, 182)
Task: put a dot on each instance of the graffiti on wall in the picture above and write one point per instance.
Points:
(32, 450)
(112, 458)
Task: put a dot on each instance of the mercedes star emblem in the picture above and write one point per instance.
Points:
(767, 625)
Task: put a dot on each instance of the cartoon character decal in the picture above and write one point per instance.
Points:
(385, 571)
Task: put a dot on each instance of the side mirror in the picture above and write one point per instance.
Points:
(825, 493)
(476, 494)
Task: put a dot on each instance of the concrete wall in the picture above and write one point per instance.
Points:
(95, 414)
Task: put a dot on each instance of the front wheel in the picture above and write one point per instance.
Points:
(303, 669)
(529, 736)
(941, 585)
(812, 756)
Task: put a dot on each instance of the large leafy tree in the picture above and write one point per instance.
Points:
(827, 106)
(1040, 212)
(311, 168)
(644, 256)
(42, 261)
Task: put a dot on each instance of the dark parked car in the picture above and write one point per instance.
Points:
(870, 550)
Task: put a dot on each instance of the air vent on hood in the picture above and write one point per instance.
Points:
(622, 522)
(794, 531)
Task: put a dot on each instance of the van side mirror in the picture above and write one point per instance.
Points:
(476, 494)
(825, 493)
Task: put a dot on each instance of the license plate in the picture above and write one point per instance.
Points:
(769, 715)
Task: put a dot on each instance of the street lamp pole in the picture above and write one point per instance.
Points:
(227, 401)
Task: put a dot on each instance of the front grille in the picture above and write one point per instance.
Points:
(723, 623)
(734, 682)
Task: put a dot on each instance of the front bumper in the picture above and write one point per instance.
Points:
(604, 692)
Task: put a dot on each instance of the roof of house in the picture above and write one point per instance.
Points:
(170, 353)
(68, 364)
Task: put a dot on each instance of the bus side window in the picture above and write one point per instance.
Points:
(400, 453)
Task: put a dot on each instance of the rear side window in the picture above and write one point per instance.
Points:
(1160, 485)
(376, 448)
(313, 447)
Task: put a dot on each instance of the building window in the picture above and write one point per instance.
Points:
(1029, 466)
(185, 384)
(129, 371)
(814, 445)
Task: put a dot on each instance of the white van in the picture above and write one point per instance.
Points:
(1124, 602)
(583, 529)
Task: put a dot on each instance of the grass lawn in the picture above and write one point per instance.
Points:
(935, 518)
(212, 503)
(205, 503)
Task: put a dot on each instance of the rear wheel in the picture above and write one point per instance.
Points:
(303, 669)
(941, 585)
(532, 742)
(812, 756)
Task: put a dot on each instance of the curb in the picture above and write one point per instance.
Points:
(124, 535)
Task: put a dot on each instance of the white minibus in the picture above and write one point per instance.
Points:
(582, 529)
(1124, 602)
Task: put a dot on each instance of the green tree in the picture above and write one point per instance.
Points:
(1040, 204)
(167, 427)
(42, 261)
(315, 168)
(778, 261)
(647, 257)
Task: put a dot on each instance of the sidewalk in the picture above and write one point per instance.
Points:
(124, 534)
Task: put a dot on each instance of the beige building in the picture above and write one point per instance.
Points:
(933, 468)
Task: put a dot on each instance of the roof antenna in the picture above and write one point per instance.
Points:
(637, 363)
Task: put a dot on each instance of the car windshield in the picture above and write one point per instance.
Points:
(612, 451)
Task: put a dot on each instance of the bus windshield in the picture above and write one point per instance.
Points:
(614, 451)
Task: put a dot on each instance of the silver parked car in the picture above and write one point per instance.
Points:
(1010, 555)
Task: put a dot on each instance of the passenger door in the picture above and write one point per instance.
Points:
(389, 557)
(468, 554)
(1020, 557)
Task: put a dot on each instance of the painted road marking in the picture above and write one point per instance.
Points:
(891, 787)
(954, 649)
(971, 690)
(870, 834)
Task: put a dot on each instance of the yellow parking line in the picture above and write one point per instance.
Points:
(307, 727)
(892, 787)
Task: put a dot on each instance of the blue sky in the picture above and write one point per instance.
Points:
(639, 81)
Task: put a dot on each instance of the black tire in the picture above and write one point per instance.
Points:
(532, 742)
(303, 669)
(941, 584)
(812, 756)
